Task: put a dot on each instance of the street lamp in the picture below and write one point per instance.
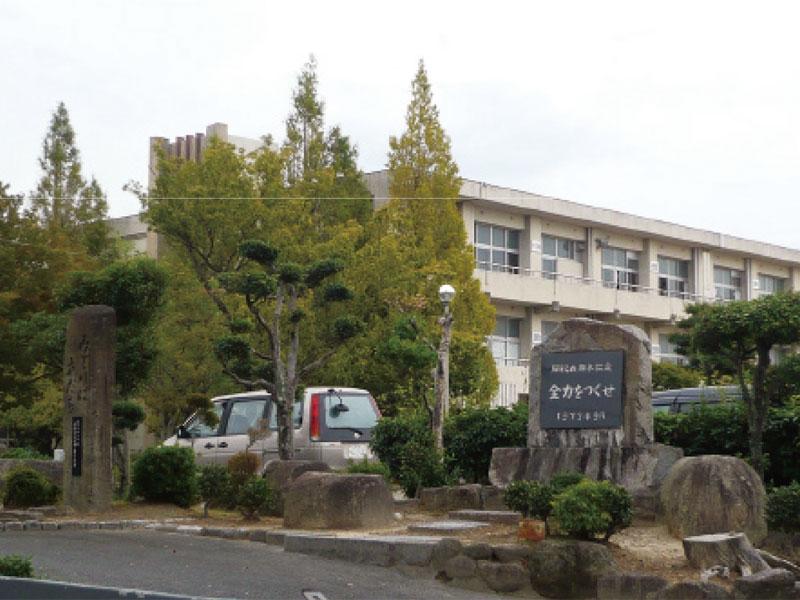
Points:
(441, 382)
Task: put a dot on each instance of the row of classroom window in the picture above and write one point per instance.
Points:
(497, 249)
(505, 342)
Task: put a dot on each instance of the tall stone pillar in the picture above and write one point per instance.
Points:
(89, 379)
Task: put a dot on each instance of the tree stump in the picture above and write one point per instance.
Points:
(732, 550)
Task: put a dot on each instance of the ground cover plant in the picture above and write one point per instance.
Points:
(14, 565)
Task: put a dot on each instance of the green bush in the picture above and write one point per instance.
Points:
(256, 497)
(592, 508)
(669, 376)
(23, 454)
(242, 466)
(166, 474)
(471, 434)
(722, 429)
(783, 508)
(405, 445)
(564, 479)
(366, 467)
(783, 380)
(26, 487)
(216, 487)
(14, 565)
(531, 498)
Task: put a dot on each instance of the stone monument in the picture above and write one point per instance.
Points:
(590, 410)
(89, 379)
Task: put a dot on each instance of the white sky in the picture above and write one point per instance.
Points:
(684, 111)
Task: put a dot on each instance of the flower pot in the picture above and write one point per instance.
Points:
(531, 530)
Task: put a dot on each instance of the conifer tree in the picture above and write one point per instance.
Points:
(63, 200)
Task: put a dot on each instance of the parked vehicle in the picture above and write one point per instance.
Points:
(332, 425)
(684, 399)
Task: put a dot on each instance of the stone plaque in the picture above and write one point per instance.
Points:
(77, 445)
(582, 390)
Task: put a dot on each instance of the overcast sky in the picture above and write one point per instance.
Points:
(683, 111)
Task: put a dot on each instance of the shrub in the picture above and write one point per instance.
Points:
(531, 498)
(370, 468)
(668, 376)
(216, 488)
(564, 479)
(256, 497)
(14, 565)
(405, 445)
(27, 487)
(242, 466)
(166, 474)
(592, 508)
(722, 429)
(471, 434)
(23, 454)
(783, 508)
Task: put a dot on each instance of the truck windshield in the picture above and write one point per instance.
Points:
(349, 411)
(197, 428)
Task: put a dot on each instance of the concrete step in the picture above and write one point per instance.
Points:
(446, 526)
(504, 517)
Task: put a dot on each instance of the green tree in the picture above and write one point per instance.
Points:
(63, 199)
(743, 334)
(414, 244)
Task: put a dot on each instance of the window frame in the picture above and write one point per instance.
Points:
(507, 341)
(669, 278)
(617, 270)
(777, 283)
(505, 250)
(738, 292)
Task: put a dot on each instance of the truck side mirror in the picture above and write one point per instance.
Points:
(182, 432)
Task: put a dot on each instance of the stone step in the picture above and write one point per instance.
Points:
(446, 526)
(505, 517)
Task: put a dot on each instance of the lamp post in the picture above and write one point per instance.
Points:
(441, 382)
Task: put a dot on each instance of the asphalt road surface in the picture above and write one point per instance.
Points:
(211, 567)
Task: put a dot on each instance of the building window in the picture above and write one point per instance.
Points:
(768, 284)
(621, 269)
(505, 341)
(548, 327)
(673, 277)
(728, 283)
(554, 248)
(496, 248)
(669, 351)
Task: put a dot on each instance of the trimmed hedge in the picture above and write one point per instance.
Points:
(722, 429)
(27, 487)
(472, 433)
(15, 565)
(592, 508)
(166, 474)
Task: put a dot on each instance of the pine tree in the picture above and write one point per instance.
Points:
(63, 200)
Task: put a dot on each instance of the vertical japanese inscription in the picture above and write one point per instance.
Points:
(582, 390)
(77, 445)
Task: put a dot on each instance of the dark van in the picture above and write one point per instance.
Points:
(684, 399)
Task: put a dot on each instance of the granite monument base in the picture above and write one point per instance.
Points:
(640, 470)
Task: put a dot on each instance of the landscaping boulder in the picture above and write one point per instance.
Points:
(712, 494)
(281, 473)
(334, 501)
(502, 577)
(777, 584)
(444, 550)
(568, 568)
(460, 567)
(447, 498)
(628, 586)
(692, 590)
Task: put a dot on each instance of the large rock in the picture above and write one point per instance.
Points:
(445, 499)
(777, 584)
(332, 501)
(502, 577)
(712, 494)
(628, 586)
(568, 568)
(281, 473)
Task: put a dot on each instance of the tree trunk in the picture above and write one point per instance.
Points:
(442, 382)
(757, 413)
(732, 550)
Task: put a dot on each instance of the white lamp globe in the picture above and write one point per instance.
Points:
(446, 293)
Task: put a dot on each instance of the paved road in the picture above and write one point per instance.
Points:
(201, 566)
